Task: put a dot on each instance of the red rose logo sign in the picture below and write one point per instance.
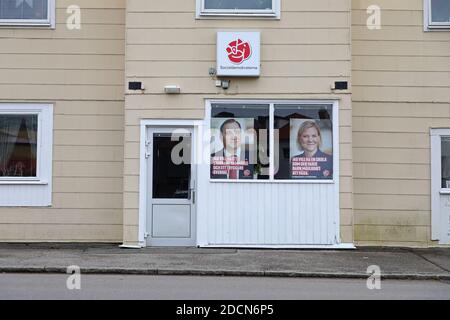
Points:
(239, 51)
(238, 54)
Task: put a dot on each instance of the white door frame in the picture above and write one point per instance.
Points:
(436, 190)
(196, 125)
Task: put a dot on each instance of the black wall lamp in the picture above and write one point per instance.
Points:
(135, 86)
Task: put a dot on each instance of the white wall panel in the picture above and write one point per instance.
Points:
(25, 195)
(269, 213)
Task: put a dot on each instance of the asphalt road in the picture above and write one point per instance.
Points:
(53, 286)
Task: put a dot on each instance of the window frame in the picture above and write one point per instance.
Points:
(44, 141)
(249, 13)
(429, 25)
(34, 23)
(272, 103)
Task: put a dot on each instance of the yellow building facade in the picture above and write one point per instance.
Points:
(91, 93)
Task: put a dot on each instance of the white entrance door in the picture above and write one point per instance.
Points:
(440, 190)
(171, 187)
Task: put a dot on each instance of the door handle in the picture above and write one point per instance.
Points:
(192, 195)
(192, 192)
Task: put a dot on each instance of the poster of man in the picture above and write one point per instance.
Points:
(232, 144)
(311, 149)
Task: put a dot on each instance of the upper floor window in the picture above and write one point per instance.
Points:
(437, 14)
(248, 8)
(27, 13)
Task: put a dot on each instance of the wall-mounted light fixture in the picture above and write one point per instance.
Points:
(172, 89)
(340, 85)
(135, 86)
(225, 84)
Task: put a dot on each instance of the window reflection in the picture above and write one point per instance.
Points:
(18, 145)
(24, 9)
(440, 10)
(171, 178)
(239, 141)
(238, 4)
(445, 162)
(305, 142)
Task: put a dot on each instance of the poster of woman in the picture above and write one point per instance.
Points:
(311, 149)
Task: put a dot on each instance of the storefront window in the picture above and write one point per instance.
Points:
(305, 148)
(276, 142)
(239, 141)
(445, 162)
(18, 145)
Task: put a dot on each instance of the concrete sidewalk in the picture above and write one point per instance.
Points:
(395, 263)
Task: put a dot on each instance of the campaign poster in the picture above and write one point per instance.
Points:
(311, 149)
(233, 148)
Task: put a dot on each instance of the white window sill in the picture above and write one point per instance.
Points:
(23, 182)
(447, 29)
(437, 27)
(27, 26)
(24, 23)
(224, 15)
(444, 191)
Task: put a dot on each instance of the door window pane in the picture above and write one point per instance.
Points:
(239, 141)
(171, 166)
(305, 142)
(238, 4)
(24, 9)
(445, 162)
(440, 11)
(18, 145)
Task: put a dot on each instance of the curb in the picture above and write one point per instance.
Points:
(224, 273)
